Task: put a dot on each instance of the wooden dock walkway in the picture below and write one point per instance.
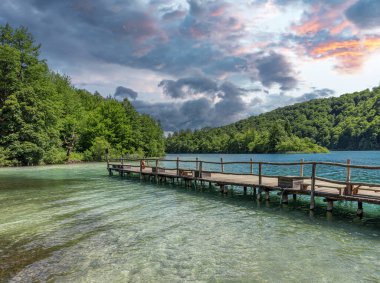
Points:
(313, 186)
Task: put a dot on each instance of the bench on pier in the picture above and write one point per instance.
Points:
(185, 173)
(289, 182)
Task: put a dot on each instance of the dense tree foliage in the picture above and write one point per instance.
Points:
(44, 119)
(348, 122)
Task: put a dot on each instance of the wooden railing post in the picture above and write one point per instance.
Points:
(107, 159)
(251, 166)
(301, 168)
(177, 165)
(156, 176)
(200, 169)
(122, 166)
(196, 164)
(221, 165)
(348, 178)
(312, 194)
(260, 173)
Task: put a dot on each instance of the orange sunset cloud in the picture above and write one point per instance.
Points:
(350, 53)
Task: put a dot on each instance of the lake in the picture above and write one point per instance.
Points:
(75, 223)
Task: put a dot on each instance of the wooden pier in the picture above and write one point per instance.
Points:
(194, 173)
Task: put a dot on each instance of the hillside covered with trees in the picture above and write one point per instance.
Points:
(348, 122)
(45, 120)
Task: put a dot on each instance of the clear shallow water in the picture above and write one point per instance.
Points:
(74, 223)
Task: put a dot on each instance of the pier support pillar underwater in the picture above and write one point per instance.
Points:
(330, 205)
(360, 210)
(284, 197)
(223, 189)
(267, 196)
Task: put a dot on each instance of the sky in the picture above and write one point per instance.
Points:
(197, 63)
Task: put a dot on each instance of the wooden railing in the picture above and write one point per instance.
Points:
(199, 166)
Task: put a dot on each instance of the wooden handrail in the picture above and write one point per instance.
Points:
(301, 163)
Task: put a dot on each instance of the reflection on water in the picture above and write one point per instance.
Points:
(74, 223)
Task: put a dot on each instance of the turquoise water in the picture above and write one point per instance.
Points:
(77, 224)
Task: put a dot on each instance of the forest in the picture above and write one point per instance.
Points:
(45, 120)
(348, 122)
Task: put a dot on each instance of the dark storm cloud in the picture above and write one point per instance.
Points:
(365, 13)
(203, 112)
(185, 87)
(161, 36)
(275, 69)
(219, 104)
(124, 92)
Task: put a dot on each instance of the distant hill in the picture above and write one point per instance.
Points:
(348, 122)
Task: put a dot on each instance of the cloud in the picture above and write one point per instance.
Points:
(365, 13)
(186, 87)
(123, 92)
(209, 103)
(349, 53)
(327, 30)
(273, 68)
(272, 101)
(174, 39)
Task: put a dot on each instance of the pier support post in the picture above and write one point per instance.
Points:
(301, 167)
(225, 190)
(254, 192)
(259, 196)
(360, 211)
(267, 194)
(122, 166)
(177, 167)
(245, 190)
(221, 188)
(156, 171)
(260, 173)
(330, 205)
(312, 194)
(294, 197)
(284, 197)
(348, 190)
